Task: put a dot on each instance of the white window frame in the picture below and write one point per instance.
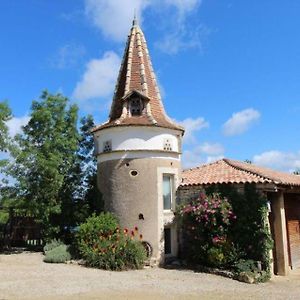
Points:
(172, 183)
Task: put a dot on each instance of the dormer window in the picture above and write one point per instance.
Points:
(136, 106)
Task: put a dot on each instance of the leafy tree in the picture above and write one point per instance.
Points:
(81, 195)
(92, 195)
(54, 168)
(46, 153)
(5, 115)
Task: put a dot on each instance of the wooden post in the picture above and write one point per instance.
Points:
(280, 234)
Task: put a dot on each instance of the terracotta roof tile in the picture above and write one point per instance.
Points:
(233, 171)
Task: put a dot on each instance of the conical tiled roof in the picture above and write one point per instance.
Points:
(136, 75)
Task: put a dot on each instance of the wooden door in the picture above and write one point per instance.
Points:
(292, 208)
(294, 242)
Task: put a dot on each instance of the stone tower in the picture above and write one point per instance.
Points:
(138, 153)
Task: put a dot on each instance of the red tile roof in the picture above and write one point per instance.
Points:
(136, 74)
(233, 171)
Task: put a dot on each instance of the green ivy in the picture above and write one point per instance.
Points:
(223, 226)
(250, 233)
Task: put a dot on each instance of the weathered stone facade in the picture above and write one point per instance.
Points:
(137, 200)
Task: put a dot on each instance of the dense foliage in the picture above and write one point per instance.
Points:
(104, 245)
(52, 167)
(5, 115)
(250, 233)
(44, 157)
(228, 229)
(205, 223)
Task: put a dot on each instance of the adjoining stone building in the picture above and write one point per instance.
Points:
(138, 152)
(139, 166)
(282, 191)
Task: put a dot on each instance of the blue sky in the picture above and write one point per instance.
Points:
(228, 70)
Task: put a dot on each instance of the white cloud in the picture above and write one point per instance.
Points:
(182, 39)
(190, 159)
(184, 6)
(114, 17)
(191, 126)
(284, 161)
(240, 122)
(15, 124)
(202, 154)
(211, 148)
(211, 159)
(67, 56)
(180, 34)
(99, 78)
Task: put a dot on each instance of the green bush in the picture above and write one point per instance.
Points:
(251, 209)
(245, 265)
(205, 222)
(250, 268)
(59, 254)
(216, 257)
(103, 245)
(51, 245)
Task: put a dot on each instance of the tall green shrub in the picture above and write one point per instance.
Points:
(250, 233)
(205, 223)
(104, 245)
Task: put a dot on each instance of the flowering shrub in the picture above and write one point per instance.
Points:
(250, 232)
(104, 245)
(205, 223)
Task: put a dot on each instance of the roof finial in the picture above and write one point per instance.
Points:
(135, 22)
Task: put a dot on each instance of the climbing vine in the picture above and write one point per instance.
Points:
(227, 228)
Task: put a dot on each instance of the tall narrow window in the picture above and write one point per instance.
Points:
(167, 191)
(167, 236)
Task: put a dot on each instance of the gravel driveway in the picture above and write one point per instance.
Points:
(25, 276)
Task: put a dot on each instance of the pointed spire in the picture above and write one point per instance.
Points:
(136, 75)
(135, 21)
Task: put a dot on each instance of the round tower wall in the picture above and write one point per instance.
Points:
(138, 138)
(132, 189)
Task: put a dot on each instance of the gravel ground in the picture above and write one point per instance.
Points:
(25, 276)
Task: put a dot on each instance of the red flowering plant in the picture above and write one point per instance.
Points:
(205, 224)
(102, 244)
